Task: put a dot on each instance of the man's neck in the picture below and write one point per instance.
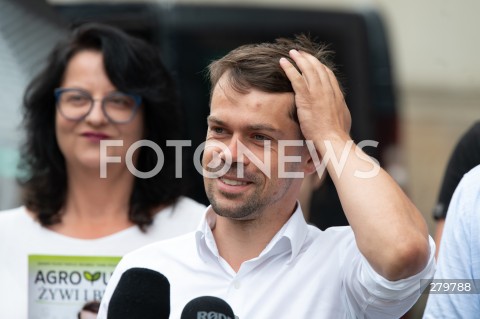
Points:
(241, 240)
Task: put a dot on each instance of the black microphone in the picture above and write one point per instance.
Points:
(207, 307)
(141, 293)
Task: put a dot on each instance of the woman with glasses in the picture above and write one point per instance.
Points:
(100, 178)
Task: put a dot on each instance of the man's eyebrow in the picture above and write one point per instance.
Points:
(262, 127)
(253, 127)
(213, 119)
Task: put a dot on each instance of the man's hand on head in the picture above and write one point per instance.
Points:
(321, 107)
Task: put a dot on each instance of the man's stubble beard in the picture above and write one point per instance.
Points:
(249, 207)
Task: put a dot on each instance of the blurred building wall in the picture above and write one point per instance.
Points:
(434, 41)
(28, 31)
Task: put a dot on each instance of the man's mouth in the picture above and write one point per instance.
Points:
(233, 182)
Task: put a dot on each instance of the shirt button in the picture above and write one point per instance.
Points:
(236, 284)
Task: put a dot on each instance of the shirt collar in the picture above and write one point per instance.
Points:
(204, 235)
(294, 232)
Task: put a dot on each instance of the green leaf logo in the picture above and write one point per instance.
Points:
(92, 277)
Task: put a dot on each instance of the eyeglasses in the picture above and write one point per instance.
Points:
(76, 104)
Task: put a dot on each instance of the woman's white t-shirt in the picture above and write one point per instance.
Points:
(46, 275)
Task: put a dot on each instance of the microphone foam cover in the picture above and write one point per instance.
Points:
(141, 293)
(207, 307)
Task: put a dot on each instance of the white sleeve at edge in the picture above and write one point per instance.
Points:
(112, 284)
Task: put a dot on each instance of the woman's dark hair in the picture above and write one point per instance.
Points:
(133, 66)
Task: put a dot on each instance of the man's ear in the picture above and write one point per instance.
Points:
(311, 172)
(309, 167)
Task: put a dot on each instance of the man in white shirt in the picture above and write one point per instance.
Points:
(276, 111)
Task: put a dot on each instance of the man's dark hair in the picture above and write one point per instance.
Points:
(134, 67)
(256, 66)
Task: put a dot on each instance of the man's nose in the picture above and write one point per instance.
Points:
(234, 147)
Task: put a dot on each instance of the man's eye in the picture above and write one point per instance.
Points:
(217, 130)
(259, 137)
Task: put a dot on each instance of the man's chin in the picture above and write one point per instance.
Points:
(228, 209)
(225, 204)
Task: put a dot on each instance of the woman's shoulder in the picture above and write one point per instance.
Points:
(189, 206)
(183, 216)
(184, 208)
(18, 214)
(12, 220)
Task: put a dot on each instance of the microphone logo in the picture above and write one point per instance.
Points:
(212, 315)
(208, 307)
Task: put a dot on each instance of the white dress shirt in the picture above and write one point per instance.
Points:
(302, 273)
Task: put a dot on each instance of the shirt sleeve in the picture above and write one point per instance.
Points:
(459, 257)
(369, 295)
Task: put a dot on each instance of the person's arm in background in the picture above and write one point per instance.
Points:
(465, 156)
